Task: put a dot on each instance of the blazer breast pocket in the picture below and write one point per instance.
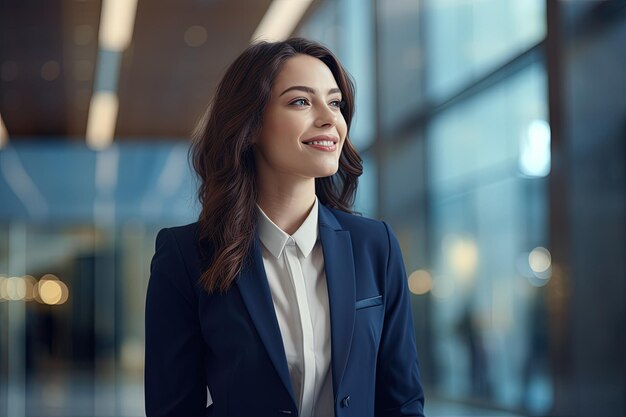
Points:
(368, 302)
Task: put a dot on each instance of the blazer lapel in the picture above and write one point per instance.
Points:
(257, 297)
(340, 279)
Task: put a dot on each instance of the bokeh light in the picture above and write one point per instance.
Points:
(16, 288)
(539, 259)
(48, 290)
(195, 36)
(443, 287)
(534, 160)
(51, 290)
(538, 266)
(30, 283)
(462, 256)
(420, 282)
(83, 34)
(3, 288)
(50, 70)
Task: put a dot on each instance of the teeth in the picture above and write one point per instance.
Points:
(323, 143)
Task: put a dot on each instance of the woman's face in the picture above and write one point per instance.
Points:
(304, 106)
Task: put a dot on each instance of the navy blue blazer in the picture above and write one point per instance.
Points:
(231, 343)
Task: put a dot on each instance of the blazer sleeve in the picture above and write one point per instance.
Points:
(398, 388)
(174, 379)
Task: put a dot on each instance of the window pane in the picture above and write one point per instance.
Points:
(466, 38)
(403, 176)
(482, 137)
(400, 60)
(366, 201)
(488, 310)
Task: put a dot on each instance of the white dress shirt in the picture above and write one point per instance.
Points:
(295, 272)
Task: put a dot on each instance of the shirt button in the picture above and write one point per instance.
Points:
(346, 402)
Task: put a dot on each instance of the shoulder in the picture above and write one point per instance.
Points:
(184, 241)
(185, 236)
(361, 225)
(184, 231)
(357, 223)
(367, 231)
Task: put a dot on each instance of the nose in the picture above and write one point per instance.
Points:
(326, 116)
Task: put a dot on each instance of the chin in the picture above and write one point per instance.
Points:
(323, 170)
(328, 172)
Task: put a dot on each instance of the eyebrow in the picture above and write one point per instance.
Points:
(309, 90)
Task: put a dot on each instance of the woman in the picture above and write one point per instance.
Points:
(279, 300)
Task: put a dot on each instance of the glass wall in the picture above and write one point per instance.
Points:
(466, 39)
(488, 234)
(77, 234)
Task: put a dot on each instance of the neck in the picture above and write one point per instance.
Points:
(287, 203)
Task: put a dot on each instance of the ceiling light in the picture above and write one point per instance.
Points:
(117, 21)
(280, 20)
(102, 119)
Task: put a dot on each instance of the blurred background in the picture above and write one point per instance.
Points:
(493, 134)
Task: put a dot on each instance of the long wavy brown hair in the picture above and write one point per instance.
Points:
(222, 155)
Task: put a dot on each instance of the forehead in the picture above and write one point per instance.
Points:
(305, 70)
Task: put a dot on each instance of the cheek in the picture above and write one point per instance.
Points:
(279, 127)
(277, 138)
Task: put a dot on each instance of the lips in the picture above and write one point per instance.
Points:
(321, 138)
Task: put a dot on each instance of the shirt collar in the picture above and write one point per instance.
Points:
(275, 239)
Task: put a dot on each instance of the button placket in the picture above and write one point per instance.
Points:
(297, 278)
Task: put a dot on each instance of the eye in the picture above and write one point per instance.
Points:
(300, 102)
(338, 103)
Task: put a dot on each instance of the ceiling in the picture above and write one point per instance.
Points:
(49, 56)
(49, 60)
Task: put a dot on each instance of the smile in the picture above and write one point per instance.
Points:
(327, 146)
(321, 142)
(325, 143)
